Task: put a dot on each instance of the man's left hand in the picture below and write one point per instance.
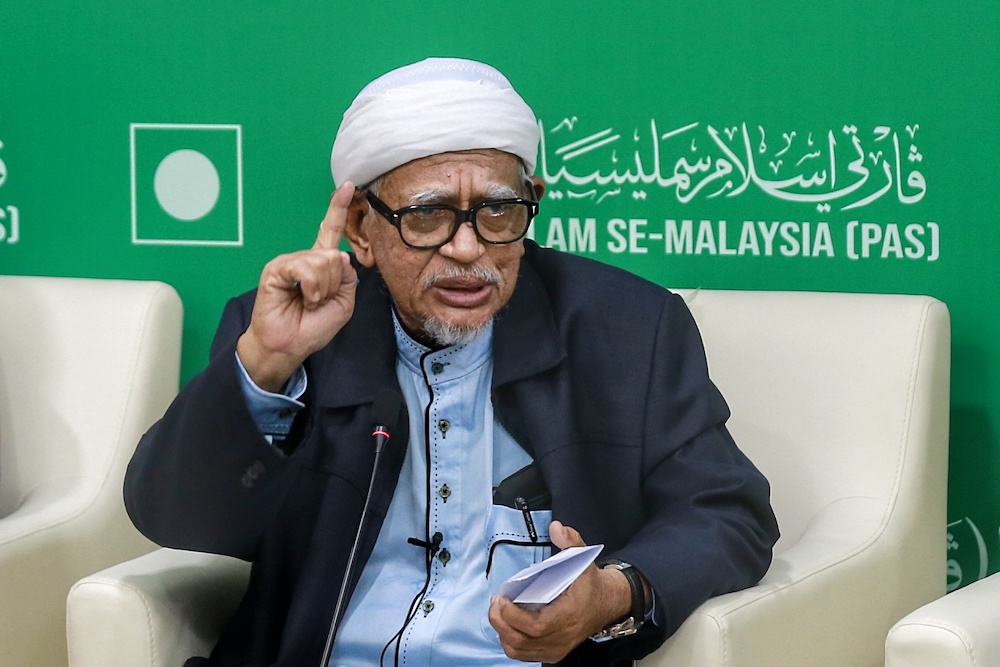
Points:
(598, 598)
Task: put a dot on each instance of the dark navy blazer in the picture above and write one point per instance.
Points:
(599, 374)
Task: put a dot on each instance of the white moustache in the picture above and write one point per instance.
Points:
(475, 273)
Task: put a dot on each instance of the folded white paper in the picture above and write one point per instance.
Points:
(539, 584)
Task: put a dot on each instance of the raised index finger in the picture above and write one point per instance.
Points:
(332, 228)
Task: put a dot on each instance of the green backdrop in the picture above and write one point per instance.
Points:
(773, 145)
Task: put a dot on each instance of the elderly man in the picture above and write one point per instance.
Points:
(533, 401)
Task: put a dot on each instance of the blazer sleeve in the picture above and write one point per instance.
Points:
(204, 478)
(709, 528)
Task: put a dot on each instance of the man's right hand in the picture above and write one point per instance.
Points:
(304, 298)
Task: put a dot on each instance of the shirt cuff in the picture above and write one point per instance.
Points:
(653, 616)
(273, 413)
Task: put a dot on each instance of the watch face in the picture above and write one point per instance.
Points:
(613, 562)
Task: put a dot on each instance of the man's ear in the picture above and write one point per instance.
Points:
(539, 185)
(356, 232)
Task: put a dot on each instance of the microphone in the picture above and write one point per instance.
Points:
(385, 411)
(433, 546)
(385, 414)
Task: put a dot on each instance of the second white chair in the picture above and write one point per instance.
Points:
(86, 366)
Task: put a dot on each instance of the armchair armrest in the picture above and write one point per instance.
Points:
(805, 610)
(958, 629)
(156, 610)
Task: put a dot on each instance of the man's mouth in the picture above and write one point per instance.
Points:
(466, 292)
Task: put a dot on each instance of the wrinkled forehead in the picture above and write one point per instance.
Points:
(478, 174)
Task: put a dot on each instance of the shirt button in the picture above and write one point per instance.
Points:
(437, 367)
(445, 492)
(444, 425)
(444, 556)
(427, 606)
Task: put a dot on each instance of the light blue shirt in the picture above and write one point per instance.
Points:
(274, 413)
(459, 452)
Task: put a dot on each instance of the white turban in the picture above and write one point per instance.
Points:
(438, 105)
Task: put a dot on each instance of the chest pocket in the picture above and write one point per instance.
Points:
(517, 530)
(516, 538)
(513, 546)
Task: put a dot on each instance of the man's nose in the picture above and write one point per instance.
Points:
(465, 247)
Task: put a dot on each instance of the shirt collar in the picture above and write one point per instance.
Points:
(449, 362)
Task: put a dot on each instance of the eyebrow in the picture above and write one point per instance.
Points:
(491, 191)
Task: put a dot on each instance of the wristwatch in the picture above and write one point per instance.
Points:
(637, 616)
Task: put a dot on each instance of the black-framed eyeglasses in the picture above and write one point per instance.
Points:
(430, 226)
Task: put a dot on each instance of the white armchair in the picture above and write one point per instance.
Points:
(85, 367)
(841, 399)
(962, 629)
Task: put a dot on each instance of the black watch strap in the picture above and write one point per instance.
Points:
(637, 616)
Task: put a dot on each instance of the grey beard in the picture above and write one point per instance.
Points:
(446, 335)
(443, 333)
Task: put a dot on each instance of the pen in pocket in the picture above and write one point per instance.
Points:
(522, 505)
